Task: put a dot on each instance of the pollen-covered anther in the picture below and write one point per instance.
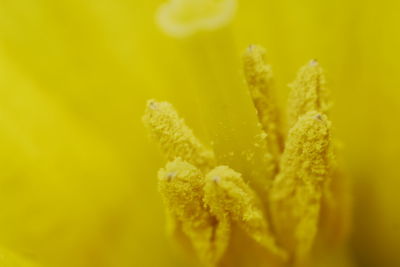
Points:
(258, 76)
(183, 18)
(296, 192)
(181, 186)
(232, 198)
(308, 92)
(176, 139)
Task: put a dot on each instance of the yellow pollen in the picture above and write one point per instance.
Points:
(259, 81)
(175, 138)
(281, 195)
(182, 18)
(296, 192)
(232, 198)
(308, 92)
(183, 197)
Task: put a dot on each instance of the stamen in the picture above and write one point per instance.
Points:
(213, 63)
(174, 136)
(308, 92)
(296, 192)
(183, 197)
(232, 198)
(336, 207)
(182, 18)
(259, 81)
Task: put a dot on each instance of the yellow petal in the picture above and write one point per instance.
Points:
(9, 259)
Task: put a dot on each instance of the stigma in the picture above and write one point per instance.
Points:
(182, 18)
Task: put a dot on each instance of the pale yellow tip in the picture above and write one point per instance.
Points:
(182, 18)
(313, 63)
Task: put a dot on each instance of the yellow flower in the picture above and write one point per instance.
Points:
(77, 179)
(277, 202)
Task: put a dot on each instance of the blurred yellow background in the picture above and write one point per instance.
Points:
(78, 173)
